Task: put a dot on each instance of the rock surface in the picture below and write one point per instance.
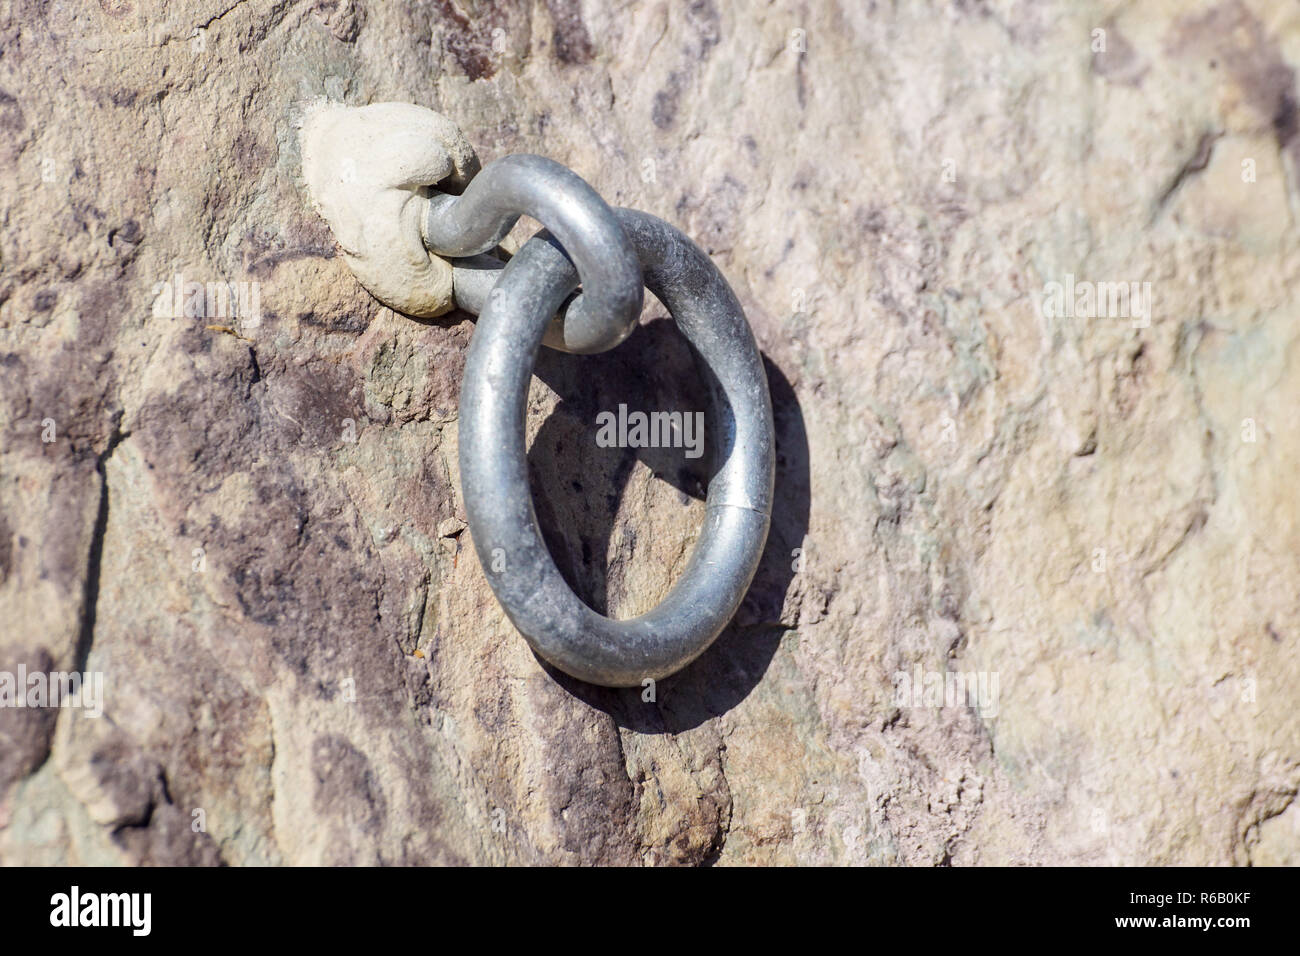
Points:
(247, 517)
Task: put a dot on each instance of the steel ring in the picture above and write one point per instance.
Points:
(494, 473)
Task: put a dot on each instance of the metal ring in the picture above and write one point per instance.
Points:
(523, 184)
(494, 472)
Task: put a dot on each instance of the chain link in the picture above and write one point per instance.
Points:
(478, 219)
(611, 252)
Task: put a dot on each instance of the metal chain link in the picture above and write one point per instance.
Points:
(522, 184)
(612, 253)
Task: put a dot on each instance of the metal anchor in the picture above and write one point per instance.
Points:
(525, 303)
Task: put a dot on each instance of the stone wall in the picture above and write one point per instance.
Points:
(990, 465)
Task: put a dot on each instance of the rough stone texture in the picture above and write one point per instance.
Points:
(1071, 504)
